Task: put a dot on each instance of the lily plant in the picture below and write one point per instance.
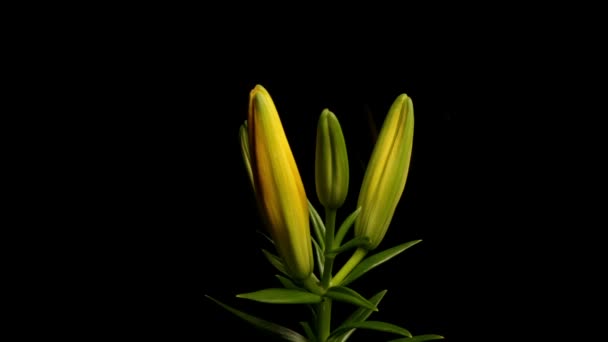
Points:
(306, 245)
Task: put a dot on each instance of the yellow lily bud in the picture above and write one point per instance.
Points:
(386, 172)
(278, 185)
(331, 162)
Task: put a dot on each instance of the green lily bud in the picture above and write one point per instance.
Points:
(331, 162)
(386, 172)
(278, 185)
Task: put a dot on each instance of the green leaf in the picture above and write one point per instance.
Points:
(317, 225)
(376, 260)
(287, 283)
(374, 325)
(274, 328)
(308, 330)
(268, 238)
(344, 294)
(356, 242)
(319, 255)
(282, 296)
(275, 261)
(419, 338)
(313, 312)
(360, 315)
(345, 226)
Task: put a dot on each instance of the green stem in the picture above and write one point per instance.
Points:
(354, 260)
(324, 308)
(324, 315)
(330, 227)
(345, 227)
(312, 284)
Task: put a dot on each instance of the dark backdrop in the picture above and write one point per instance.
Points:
(192, 220)
(175, 210)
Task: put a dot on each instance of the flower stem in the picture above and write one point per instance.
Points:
(312, 284)
(330, 227)
(324, 308)
(324, 314)
(354, 260)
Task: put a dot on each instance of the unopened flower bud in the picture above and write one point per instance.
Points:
(386, 173)
(278, 185)
(331, 162)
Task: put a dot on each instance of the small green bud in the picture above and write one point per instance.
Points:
(331, 162)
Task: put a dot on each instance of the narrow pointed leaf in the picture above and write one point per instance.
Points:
(245, 153)
(275, 261)
(268, 238)
(345, 226)
(375, 325)
(313, 312)
(361, 314)
(319, 255)
(285, 333)
(419, 338)
(308, 330)
(354, 243)
(317, 225)
(282, 296)
(376, 260)
(286, 282)
(344, 294)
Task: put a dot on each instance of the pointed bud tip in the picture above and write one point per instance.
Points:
(403, 100)
(402, 97)
(258, 88)
(258, 93)
(326, 112)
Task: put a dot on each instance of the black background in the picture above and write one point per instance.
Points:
(174, 213)
(193, 221)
